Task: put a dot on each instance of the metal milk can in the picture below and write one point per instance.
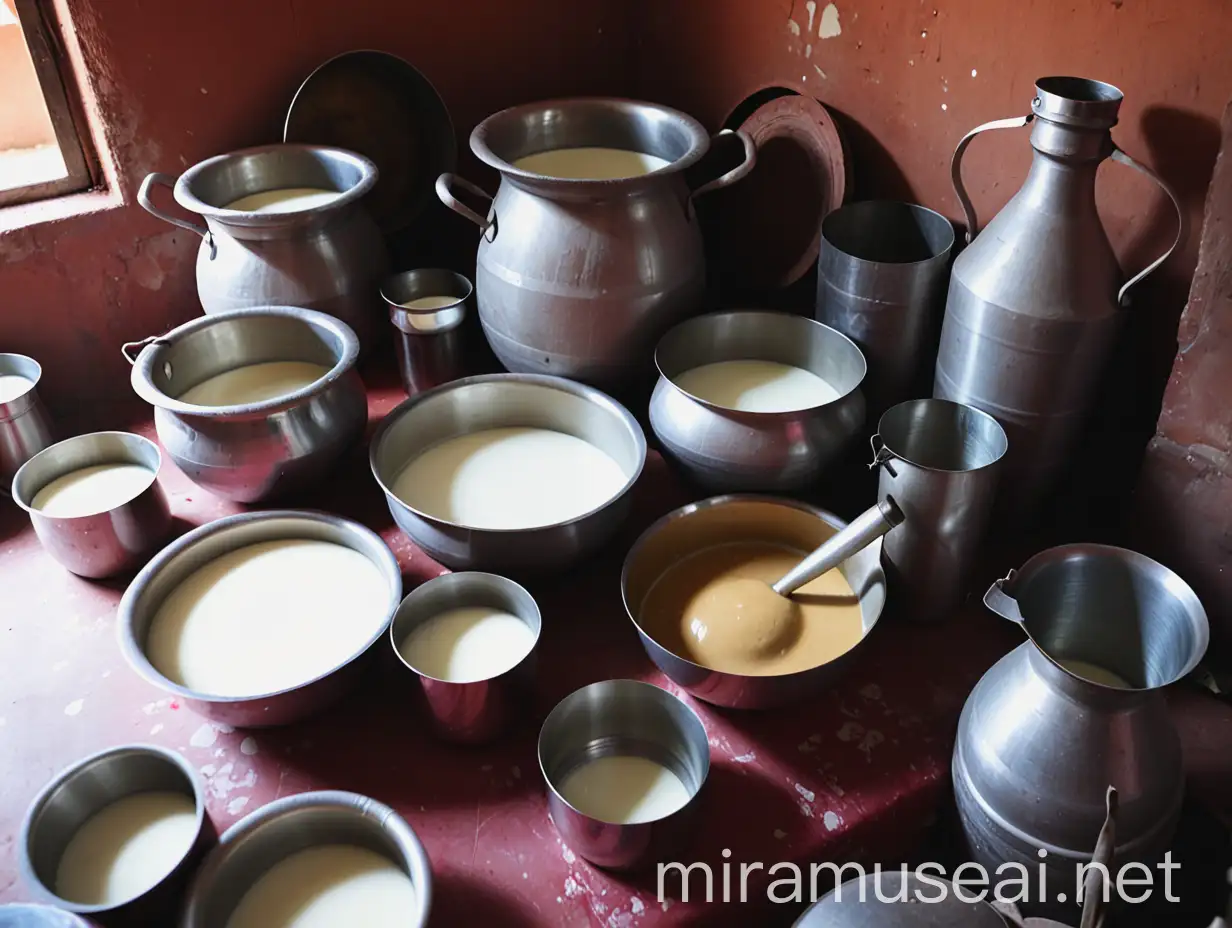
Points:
(1034, 300)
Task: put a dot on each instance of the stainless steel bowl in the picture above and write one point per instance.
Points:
(728, 450)
(623, 717)
(250, 847)
(431, 343)
(725, 519)
(492, 401)
(108, 542)
(886, 898)
(79, 792)
(254, 451)
(189, 553)
(25, 426)
(476, 712)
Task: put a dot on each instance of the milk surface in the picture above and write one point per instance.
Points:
(591, 163)
(332, 886)
(13, 386)
(284, 200)
(624, 789)
(126, 848)
(1095, 673)
(510, 478)
(268, 617)
(430, 302)
(468, 644)
(254, 383)
(756, 386)
(91, 490)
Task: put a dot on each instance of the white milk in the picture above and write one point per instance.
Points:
(756, 386)
(13, 386)
(267, 617)
(254, 383)
(467, 644)
(328, 887)
(284, 200)
(510, 478)
(591, 163)
(126, 848)
(92, 490)
(1095, 674)
(430, 302)
(624, 790)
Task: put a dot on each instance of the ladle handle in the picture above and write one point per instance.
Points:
(863, 531)
(1001, 602)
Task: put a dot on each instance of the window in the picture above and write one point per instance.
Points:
(41, 153)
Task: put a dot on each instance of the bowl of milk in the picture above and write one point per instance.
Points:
(323, 858)
(261, 618)
(625, 763)
(116, 835)
(254, 403)
(469, 638)
(95, 502)
(756, 401)
(512, 473)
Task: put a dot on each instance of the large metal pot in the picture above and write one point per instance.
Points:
(329, 257)
(579, 278)
(253, 451)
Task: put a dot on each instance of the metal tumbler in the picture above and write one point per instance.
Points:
(429, 307)
(25, 427)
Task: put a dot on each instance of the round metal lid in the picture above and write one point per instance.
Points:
(929, 904)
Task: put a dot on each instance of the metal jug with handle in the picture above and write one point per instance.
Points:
(1034, 300)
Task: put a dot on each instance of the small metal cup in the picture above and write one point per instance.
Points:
(87, 787)
(105, 543)
(477, 712)
(25, 426)
(432, 343)
(623, 717)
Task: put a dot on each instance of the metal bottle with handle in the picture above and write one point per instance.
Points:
(1034, 300)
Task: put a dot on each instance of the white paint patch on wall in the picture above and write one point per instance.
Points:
(811, 6)
(793, 27)
(74, 707)
(204, 736)
(829, 26)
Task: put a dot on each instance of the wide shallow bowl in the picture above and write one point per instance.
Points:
(186, 555)
(104, 543)
(886, 898)
(254, 451)
(253, 845)
(728, 450)
(86, 788)
(491, 401)
(727, 519)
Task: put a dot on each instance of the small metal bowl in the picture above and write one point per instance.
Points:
(728, 450)
(490, 401)
(25, 426)
(726, 519)
(253, 845)
(104, 543)
(184, 556)
(431, 343)
(254, 451)
(85, 788)
(623, 717)
(479, 711)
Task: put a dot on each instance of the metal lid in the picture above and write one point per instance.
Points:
(929, 903)
(1077, 101)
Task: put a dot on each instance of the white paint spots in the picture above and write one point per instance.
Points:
(811, 6)
(780, 834)
(974, 72)
(808, 51)
(157, 728)
(152, 707)
(568, 855)
(806, 793)
(222, 784)
(236, 805)
(636, 906)
(209, 770)
(924, 34)
(820, 72)
(745, 758)
(830, 820)
(220, 752)
(59, 665)
(665, 904)
(805, 809)
(850, 731)
(3, 721)
(203, 90)
(944, 107)
(106, 674)
(558, 899)
(525, 875)
(871, 691)
(572, 888)
(911, 62)
(74, 707)
(204, 736)
(248, 746)
(874, 737)
(829, 27)
(793, 27)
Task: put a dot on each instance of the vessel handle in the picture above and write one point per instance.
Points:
(1001, 602)
(741, 170)
(166, 180)
(444, 185)
(882, 456)
(1121, 156)
(1016, 122)
(131, 350)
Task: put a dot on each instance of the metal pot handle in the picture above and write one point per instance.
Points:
(1001, 602)
(131, 350)
(166, 180)
(1119, 155)
(445, 182)
(1016, 122)
(740, 170)
(882, 455)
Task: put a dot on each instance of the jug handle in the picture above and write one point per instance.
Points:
(444, 191)
(882, 456)
(741, 170)
(1001, 602)
(131, 350)
(166, 180)
(1016, 122)
(1123, 158)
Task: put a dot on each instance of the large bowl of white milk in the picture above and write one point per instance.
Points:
(512, 473)
(756, 401)
(261, 618)
(254, 403)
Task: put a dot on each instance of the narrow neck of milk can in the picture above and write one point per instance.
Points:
(1078, 688)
